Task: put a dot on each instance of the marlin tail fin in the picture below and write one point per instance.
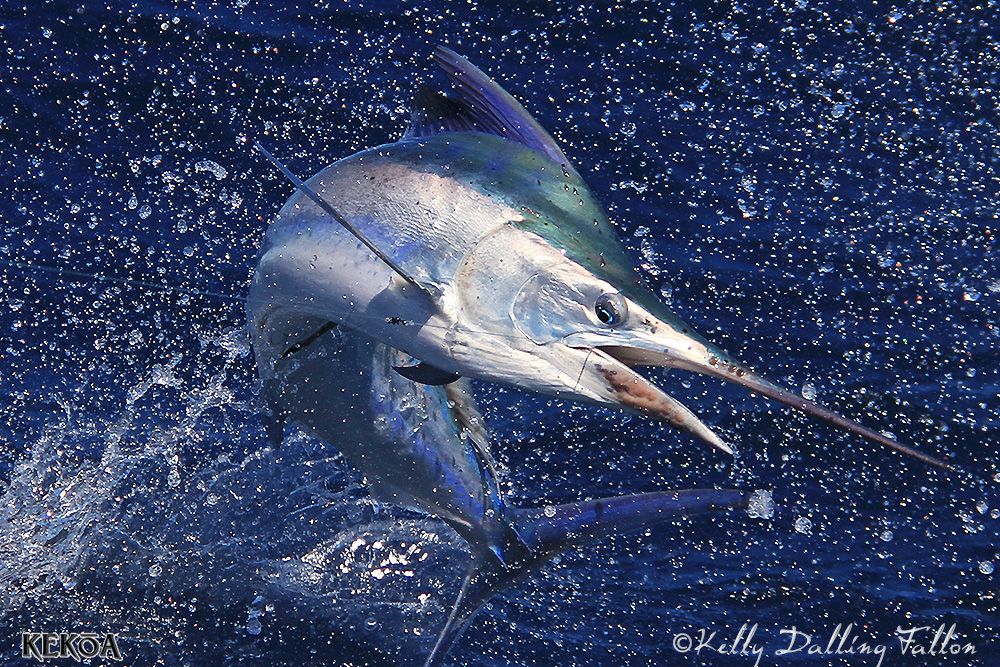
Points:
(552, 530)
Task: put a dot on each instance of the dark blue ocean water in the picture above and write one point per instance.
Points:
(812, 186)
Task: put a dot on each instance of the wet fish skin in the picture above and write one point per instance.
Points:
(492, 260)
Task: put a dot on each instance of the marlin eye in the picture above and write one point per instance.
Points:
(611, 308)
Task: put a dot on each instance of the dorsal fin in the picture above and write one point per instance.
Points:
(477, 104)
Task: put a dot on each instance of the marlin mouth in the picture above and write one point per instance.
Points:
(635, 393)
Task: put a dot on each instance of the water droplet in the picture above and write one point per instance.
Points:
(253, 625)
(145, 211)
(370, 623)
(803, 525)
(214, 168)
(885, 536)
(986, 567)
(809, 391)
(155, 570)
(761, 505)
(549, 511)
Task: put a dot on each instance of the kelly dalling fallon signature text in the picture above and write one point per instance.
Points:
(918, 641)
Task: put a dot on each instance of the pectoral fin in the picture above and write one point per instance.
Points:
(424, 373)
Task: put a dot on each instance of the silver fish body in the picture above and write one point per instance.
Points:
(471, 247)
(481, 220)
(435, 204)
(514, 254)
